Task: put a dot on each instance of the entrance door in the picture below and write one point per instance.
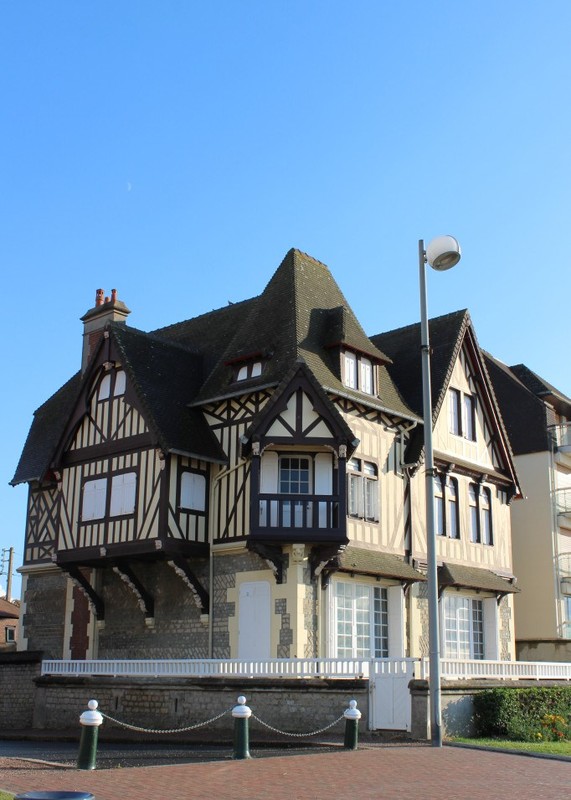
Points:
(254, 621)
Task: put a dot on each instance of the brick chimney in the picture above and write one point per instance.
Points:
(106, 309)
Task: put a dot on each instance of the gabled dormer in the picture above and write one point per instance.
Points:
(299, 447)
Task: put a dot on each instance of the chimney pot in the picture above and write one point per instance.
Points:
(113, 295)
(99, 297)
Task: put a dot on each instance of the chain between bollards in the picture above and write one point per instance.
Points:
(90, 721)
(352, 716)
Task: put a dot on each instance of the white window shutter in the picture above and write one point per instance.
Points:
(395, 595)
(269, 470)
(94, 497)
(323, 482)
(491, 631)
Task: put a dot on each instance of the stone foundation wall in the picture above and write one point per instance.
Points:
(18, 672)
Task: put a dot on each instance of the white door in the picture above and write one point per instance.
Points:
(254, 621)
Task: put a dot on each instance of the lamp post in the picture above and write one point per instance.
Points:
(441, 254)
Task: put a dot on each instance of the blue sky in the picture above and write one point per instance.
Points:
(175, 150)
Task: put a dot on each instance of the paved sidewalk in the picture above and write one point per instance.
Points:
(387, 772)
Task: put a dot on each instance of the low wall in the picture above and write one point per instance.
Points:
(289, 704)
(543, 650)
(457, 702)
(18, 672)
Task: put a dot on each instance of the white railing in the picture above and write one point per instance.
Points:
(212, 667)
(451, 669)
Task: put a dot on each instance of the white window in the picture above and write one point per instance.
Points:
(474, 514)
(486, 515)
(350, 371)
(463, 632)
(366, 367)
(10, 634)
(439, 506)
(123, 494)
(358, 372)
(250, 370)
(104, 387)
(94, 498)
(360, 621)
(295, 478)
(193, 491)
(363, 490)
(462, 408)
(452, 519)
(480, 502)
(447, 519)
(120, 382)
(455, 412)
(567, 615)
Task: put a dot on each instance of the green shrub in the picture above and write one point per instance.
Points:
(524, 714)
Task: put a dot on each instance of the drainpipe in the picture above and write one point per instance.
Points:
(215, 486)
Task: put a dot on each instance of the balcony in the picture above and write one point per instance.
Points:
(563, 502)
(562, 438)
(291, 517)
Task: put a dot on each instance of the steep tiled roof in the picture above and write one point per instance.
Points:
(403, 347)
(47, 427)
(524, 414)
(165, 376)
(541, 388)
(302, 313)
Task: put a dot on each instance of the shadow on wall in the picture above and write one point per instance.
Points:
(458, 716)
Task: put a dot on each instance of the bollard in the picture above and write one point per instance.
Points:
(352, 716)
(90, 722)
(241, 714)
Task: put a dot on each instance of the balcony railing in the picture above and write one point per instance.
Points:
(563, 501)
(562, 437)
(307, 514)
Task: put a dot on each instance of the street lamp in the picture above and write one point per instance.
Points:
(441, 254)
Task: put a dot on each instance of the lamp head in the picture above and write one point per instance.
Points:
(443, 253)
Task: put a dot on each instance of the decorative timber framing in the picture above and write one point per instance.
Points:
(94, 599)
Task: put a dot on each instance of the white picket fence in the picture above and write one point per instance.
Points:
(389, 706)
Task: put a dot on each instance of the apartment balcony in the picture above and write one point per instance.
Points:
(295, 518)
(562, 442)
(563, 506)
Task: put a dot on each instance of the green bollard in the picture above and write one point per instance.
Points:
(90, 722)
(352, 716)
(241, 714)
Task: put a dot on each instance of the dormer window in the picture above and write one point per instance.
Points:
(357, 372)
(253, 369)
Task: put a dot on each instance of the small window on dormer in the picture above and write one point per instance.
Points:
(358, 372)
(253, 369)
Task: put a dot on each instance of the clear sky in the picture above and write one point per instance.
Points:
(175, 150)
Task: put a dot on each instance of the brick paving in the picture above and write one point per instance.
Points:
(387, 773)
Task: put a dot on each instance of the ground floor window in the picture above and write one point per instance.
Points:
(360, 621)
(463, 628)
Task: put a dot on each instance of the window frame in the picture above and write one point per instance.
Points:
(358, 372)
(121, 474)
(187, 509)
(362, 598)
(481, 515)
(99, 507)
(462, 412)
(363, 501)
(469, 630)
(10, 634)
(247, 370)
(446, 506)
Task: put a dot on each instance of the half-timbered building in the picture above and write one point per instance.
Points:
(249, 483)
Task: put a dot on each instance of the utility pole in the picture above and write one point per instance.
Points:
(10, 559)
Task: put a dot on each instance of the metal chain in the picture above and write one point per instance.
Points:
(297, 735)
(171, 730)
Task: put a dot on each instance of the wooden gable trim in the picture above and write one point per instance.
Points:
(300, 384)
(106, 353)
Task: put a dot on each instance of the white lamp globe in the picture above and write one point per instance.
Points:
(443, 253)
